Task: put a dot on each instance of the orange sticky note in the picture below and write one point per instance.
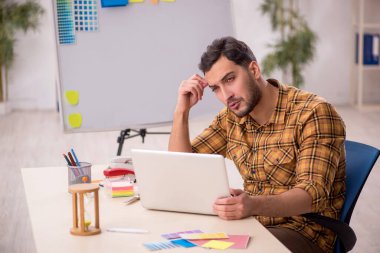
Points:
(154, 1)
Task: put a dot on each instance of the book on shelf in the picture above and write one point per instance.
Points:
(371, 48)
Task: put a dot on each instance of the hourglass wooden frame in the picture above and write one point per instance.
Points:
(79, 227)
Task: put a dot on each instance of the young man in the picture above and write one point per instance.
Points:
(288, 145)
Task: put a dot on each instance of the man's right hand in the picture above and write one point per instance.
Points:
(190, 92)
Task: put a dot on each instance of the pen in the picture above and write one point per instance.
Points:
(75, 157)
(128, 230)
(132, 200)
(69, 163)
(72, 160)
(67, 160)
(77, 161)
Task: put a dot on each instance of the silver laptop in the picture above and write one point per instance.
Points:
(180, 182)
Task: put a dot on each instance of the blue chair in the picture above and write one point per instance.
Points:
(360, 159)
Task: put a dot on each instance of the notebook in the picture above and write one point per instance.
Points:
(180, 182)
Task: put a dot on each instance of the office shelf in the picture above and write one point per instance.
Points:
(364, 21)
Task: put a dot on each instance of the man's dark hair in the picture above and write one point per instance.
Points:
(235, 50)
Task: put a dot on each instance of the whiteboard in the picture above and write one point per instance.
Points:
(127, 73)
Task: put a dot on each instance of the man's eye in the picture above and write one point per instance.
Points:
(230, 79)
(213, 88)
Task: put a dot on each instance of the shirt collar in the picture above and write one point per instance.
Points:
(278, 116)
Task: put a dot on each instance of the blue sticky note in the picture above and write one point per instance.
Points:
(114, 3)
(183, 243)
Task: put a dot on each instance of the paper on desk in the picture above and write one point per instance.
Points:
(241, 241)
(177, 234)
(184, 243)
(204, 236)
(216, 244)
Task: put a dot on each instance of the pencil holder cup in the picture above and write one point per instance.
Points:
(79, 174)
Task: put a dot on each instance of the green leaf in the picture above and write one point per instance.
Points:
(297, 45)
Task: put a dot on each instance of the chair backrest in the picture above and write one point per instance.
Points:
(360, 158)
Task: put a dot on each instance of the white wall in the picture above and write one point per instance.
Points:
(329, 74)
(32, 78)
(31, 83)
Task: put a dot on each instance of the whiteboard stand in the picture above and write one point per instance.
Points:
(126, 134)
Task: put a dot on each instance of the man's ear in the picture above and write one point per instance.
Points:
(254, 69)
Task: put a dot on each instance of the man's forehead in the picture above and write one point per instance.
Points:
(220, 69)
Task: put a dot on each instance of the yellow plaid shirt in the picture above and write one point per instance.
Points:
(301, 146)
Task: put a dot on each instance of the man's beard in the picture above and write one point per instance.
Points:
(254, 96)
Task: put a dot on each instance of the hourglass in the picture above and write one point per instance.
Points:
(82, 224)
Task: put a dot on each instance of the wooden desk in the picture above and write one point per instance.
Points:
(50, 212)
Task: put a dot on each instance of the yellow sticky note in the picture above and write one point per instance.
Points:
(75, 120)
(197, 236)
(72, 97)
(169, 1)
(214, 244)
(135, 1)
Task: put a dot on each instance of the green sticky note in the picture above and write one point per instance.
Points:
(75, 120)
(72, 97)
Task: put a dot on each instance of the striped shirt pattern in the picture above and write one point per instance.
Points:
(301, 146)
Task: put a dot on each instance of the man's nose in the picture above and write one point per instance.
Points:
(226, 93)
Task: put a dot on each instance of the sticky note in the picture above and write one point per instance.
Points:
(136, 1)
(153, 246)
(113, 3)
(154, 1)
(169, 1)
(75, 120)
(72, 97)
(177, 234)
(240, 241)
(204, 236)
(214, 244)
(184, 243)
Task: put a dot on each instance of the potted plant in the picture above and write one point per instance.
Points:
(14, 16)
(296, 46)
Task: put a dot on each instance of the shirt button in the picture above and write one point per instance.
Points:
(254, 150)
(253, 171)
(234, 157)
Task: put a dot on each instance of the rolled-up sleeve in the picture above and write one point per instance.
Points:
(321, 137)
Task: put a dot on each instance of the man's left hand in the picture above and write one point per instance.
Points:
(236, 207)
